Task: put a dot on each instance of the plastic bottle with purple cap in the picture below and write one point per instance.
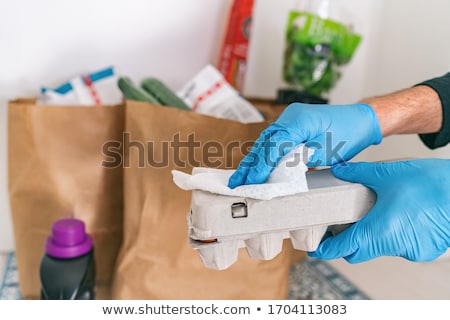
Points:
(67, 270)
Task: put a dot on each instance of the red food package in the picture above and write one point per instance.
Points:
(233, 55)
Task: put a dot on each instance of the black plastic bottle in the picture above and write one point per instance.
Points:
(67, 269)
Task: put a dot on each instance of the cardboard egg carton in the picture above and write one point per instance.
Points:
(219, 225)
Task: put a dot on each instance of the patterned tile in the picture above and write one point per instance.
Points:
(9, 283)
(3, 257)
(316, 280)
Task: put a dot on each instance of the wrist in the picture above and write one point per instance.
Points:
(414, 110)
(374, 130)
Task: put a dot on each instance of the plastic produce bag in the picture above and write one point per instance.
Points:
(316, 49)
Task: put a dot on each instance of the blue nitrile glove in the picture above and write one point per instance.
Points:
(336, 133)
(410, 219)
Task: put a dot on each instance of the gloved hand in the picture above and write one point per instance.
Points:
(335, 133)
(410, 219)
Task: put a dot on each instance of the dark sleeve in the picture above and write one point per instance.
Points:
(442, 86)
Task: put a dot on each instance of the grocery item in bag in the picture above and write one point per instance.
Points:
(233, 55)
(163, 94)
(96, 88)
(132, 92)
(209, 93)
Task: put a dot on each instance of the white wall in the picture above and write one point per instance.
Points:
(413, 46)
(49, 41)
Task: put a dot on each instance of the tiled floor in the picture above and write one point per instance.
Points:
(382, 278)
(2, 264)
(8, 277)
(308, 279)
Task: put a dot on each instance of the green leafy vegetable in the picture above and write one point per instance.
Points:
(316, 48)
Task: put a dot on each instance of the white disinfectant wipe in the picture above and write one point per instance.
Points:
(287, 178)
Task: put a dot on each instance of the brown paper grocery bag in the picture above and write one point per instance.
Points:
(55, 171)
(155, 260)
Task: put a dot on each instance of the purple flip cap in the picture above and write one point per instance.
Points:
(68, 239)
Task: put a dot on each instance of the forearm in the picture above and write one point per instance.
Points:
(413, 110)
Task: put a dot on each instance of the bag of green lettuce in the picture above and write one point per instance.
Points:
(316, 49)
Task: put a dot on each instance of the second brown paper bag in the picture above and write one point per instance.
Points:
(156, 260)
